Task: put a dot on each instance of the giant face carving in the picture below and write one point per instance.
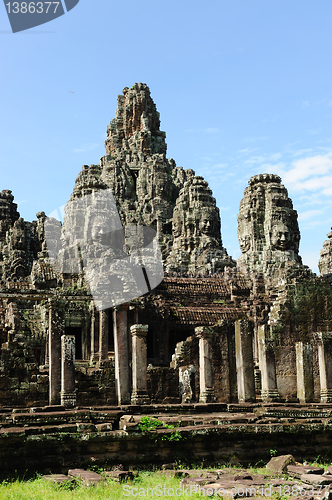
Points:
(244, 242)
(280, 237)
(176, 227)
(206, 225)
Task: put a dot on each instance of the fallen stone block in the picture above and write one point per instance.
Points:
(89, 478)
(238, 477)
(298, 470)
(58, 478)
(120, 475)
(278, 465)
(282, 482)
(199, 481)
(316, 479)
(238, 491)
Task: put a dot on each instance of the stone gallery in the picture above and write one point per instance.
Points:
(211, 329)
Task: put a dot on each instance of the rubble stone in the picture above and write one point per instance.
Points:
(279, 464)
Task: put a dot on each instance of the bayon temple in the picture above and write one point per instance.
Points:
(133, 299)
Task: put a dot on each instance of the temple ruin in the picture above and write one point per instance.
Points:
(214, 330)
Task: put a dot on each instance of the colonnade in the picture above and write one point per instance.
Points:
(62, 361)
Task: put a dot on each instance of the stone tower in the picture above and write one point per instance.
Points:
(151, 190)
(268, 231)
(17, 245)
(325, 261)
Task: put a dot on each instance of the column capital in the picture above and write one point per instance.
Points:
(323, 337)
(204, 332)
(139, 330)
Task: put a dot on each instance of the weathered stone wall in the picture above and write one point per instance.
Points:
(214, 434)
(95, 386)
(163, 385)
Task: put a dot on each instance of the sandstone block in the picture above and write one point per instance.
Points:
(279, 464)
(298, 470)
(316, 479)
(58, 478)
(89, 478)
(120, 475)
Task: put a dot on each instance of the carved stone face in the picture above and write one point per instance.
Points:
(280, 237)
(206, 226)
(244, 242)
(100, 231)
(19, 239)
(176, 228)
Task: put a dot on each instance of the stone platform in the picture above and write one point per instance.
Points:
(53, 440)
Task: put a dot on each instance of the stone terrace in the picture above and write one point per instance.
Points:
(52, 439)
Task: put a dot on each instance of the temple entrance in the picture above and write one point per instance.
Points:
(178, 335)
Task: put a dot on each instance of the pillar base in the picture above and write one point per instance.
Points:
(326, 396)
(140, 398)
(270, 395)
(94, 357)
(68, 399)
(207, 396)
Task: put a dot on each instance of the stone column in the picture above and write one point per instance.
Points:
(267, 365)
(304, 372)
(139, 365)
(103, 335)
(244, 361)
(121, 354)
(324, 341)
(94, 352)
(206, 389)
(47, 359)
(68, 397)
(56, 328)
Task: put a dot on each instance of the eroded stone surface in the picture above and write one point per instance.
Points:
(325, 261)
(279, 464)
(268, 231)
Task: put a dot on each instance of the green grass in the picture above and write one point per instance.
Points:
(159, 486)
(39, 489)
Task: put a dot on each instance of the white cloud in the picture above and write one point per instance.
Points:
(261, 159)
(274, 157)
(248, 150)
(300, 152)
(309, 213)
(312, 173)
(255, 159)
(305, 104)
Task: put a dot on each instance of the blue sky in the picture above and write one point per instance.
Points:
(242, 86)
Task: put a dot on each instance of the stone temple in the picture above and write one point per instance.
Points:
(214, 330)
